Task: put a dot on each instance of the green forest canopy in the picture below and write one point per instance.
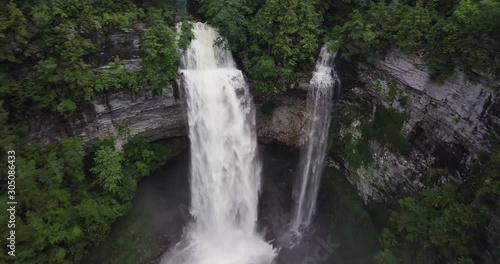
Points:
(279, 40)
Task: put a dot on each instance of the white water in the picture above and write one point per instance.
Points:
(319, 100)
(225, 170)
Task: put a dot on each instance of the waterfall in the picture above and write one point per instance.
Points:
(225, 169)
(319, 100)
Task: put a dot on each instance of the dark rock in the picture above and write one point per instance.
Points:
(155, 115)
(447, 125)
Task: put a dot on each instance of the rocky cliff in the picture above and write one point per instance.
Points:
(397, 131)
(154, 114)
(282, 120)
(160, 115)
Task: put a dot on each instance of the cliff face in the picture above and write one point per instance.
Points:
(282, 120)
(160, 115)
(398, 131)
(154, 115)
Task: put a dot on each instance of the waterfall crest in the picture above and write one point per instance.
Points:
(225, 170)
(319, 102)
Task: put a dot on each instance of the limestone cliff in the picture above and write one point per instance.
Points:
(397, 131)
(282, 120)
(154, 114)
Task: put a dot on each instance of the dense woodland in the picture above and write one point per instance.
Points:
(71, 193)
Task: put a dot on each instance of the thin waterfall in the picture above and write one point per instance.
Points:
(319, 102)
(225, 169)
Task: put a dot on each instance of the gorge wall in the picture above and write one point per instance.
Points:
(397, 131)
(156, 114)
(282, 120)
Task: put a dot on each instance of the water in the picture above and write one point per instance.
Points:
(313, 155)
(225, 169)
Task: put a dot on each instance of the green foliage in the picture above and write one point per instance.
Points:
(386, 128)
(165, 151)
(69, 195)
(357, 36)
(409, 33)
(288, 30)
(230, 18)
(186, 35)
(285, 36)
(66, 107)
(436, 225)
(51, 189)
(444, 224)
(123, 127)
(275, 40)
(160, 54)
(489, 179)
(116, 63)
(385, 257)
(130, 232)
(468, 37)
(355, 148)
(118, 80)
(9, 133)
(269, 79)
(142, 158)
(383, 127)
(108, 169)
(432, 173)
(47, 49)
(139, 154)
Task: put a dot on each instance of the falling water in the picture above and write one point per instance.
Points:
(225, 170)
(321, 89)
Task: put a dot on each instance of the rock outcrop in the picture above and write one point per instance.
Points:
(282, 120)
(155, 115)
(161, 115)
(461, 108)
(401, 132)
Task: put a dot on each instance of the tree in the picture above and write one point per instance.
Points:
(229, 17)
(288, 31)
(108, 169)
(431, 226)
(285, 40)
(139, 155)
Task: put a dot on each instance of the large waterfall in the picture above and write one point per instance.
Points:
(225, 169)
(319, 100)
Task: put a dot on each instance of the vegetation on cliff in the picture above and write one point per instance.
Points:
(47, 49)
(449, 33)
(445, 224)
(69, 194)
(275, 40)
(278, 40)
